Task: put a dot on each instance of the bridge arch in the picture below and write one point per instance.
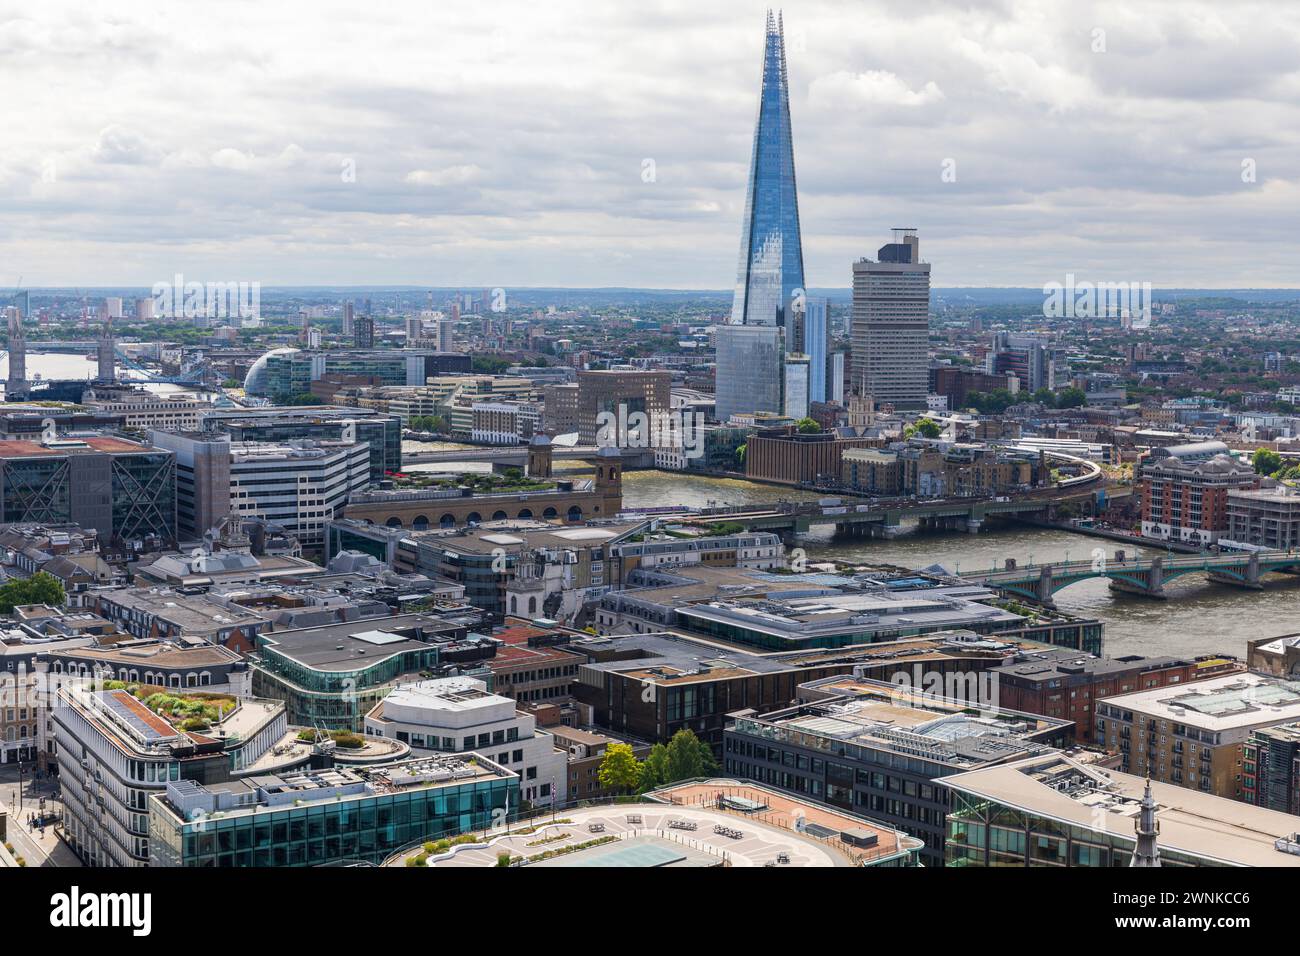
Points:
(525, 512)
(394, 522)
(447, 521)
(473, 518)
(499, 515)
(550, 513)
(575, 513)
(420, 523)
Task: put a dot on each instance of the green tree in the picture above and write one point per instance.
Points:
(1071, 398)
(40, 588)
(1266, 462)
(619, 770)
(654, 771)
(688, 756)
(925, 427)
(488, 365)
(807, 426)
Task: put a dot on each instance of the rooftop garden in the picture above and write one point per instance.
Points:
(185, 711)
(342, 738)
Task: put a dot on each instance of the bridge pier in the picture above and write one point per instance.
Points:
(973, 525)
(1155, 582)
(1044, 587)
(1252, 576)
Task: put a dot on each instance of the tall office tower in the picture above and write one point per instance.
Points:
(363, 332)
(835, 375)
(816, 344)
(891, 324)
(16, 387)
(23, 301)
(748, 374)
(770, 271)
(348, 317)
(105, 350)
(797, 383)
(414, 329)
(113, 307)
(144, 310)
(769, 279)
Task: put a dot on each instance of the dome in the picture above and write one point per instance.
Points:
(255, 380)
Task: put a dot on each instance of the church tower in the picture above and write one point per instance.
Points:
(609, 480)
(539, 458)
(1146, 853)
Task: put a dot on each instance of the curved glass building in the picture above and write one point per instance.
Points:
(255, 380)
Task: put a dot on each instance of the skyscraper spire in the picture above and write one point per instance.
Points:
(769, 275)
(771, 251)
(1146, 853)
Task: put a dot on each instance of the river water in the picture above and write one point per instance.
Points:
(1199, 617)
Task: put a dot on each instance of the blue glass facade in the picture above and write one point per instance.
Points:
(816, 345)
(770, 271)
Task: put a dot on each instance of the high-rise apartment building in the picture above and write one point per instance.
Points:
(363, 332)
(891, 324)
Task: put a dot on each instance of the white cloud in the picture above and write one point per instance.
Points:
(875, 87)
(509, 136)
(449, 176)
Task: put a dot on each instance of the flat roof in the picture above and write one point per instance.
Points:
(17, 448)
(1225, 830)
(514, 534)
(341, 647)
(1233, 702)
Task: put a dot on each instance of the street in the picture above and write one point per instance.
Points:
(48, 850)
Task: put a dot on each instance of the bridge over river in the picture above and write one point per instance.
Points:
(1144, 576)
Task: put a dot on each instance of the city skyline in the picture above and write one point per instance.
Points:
(1076, 139)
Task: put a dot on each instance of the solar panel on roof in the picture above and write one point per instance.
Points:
(134, 714)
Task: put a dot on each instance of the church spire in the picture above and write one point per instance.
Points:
(1146, 853)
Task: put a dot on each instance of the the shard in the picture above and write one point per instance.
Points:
(769, 281)
(770, 271)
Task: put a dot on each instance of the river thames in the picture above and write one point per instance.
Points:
(1198, 618)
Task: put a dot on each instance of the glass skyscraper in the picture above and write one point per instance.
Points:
(769, 278)
(770, 271)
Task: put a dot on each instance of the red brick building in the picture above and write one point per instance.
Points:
(1057, 686)
(1184, 491)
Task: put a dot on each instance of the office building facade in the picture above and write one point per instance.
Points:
(891, 325)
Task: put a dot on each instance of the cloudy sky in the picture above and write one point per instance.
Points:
(502, 143)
